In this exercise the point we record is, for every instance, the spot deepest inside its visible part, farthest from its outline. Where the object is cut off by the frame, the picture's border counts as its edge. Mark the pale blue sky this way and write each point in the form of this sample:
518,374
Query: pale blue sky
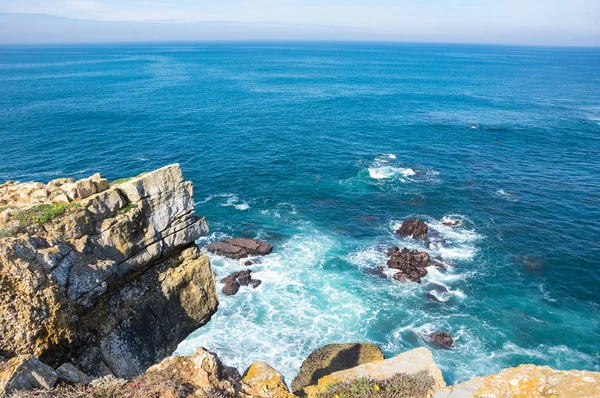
511,21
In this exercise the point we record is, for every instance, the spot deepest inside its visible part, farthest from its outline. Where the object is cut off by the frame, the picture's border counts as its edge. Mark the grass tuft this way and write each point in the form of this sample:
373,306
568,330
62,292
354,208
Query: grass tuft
417,385
41,214
125,208
123,180
6,233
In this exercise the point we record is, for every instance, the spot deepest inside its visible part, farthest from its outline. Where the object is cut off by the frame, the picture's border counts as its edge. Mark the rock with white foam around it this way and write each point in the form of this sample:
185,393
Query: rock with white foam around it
413,228
237,248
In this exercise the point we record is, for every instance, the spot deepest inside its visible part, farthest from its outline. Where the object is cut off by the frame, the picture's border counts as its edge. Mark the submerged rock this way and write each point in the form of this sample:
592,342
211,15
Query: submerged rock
452,223
237,248
332,358
441,339
410,263
413,228
82,282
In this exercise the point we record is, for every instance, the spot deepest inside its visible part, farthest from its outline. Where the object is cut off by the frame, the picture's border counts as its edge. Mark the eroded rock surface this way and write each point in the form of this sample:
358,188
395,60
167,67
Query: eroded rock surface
237,248
412,264
528,381
111,280
332,358
413,228
410,362
261,380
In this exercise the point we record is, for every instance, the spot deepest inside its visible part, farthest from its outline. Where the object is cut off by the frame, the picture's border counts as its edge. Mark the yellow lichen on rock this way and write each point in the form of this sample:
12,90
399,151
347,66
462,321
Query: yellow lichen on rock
261,380
530,381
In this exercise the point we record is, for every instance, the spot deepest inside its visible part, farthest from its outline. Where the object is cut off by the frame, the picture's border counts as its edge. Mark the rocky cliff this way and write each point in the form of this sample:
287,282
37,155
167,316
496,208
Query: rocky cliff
106,276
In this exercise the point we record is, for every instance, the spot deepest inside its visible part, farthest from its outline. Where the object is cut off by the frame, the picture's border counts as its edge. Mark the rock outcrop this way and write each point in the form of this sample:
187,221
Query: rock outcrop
240,278
528,381
332,358
442,339
237,248
261,380
26,373
410,362
413,228
105,277
412,264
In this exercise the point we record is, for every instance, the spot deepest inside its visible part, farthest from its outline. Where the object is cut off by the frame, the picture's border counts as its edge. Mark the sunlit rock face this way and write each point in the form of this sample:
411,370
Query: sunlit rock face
107,277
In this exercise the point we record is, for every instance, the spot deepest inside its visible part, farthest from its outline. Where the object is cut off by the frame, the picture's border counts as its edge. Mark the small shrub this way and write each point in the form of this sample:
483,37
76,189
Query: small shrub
399,386
6,233
41,214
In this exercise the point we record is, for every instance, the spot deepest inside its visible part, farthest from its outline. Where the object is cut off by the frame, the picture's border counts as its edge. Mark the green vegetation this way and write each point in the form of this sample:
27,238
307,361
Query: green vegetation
6,233
122,180
402,385
41,214
125,208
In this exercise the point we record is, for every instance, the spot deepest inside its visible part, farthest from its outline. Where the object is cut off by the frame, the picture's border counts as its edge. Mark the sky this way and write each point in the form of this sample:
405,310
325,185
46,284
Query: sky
572,22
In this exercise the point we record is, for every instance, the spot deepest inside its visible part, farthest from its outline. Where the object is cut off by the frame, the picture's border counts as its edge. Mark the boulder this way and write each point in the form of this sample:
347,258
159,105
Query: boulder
84,286
67,373
413,228
202,374
412,264
452,223
25,372
261,380
441,339
529,381
237,248
332,358
410,362
231,288
240,278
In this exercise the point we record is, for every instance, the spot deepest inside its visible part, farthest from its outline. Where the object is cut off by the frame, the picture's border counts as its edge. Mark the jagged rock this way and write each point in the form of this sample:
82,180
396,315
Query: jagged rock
84,286
442,339
240,278
237,248
413,228
410,362
25,373
410,263
203,372
529,381
69,374
332,358
261,380
231,288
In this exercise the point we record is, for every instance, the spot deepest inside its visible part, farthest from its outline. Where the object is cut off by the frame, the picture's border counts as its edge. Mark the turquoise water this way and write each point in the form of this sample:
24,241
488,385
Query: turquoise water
322,149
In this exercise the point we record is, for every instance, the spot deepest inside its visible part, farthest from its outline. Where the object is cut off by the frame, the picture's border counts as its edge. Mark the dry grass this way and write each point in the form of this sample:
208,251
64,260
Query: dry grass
399,386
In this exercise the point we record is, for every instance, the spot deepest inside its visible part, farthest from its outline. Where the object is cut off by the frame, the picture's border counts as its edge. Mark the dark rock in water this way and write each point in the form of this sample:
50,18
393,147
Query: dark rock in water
410,263
332,358
255,283
237,248
248,263
413,228
400,276
231,288
452,223
442,339
240,278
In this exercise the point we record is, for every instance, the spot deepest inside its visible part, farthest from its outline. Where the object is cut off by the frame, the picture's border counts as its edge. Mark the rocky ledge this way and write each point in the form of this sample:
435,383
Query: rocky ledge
104,276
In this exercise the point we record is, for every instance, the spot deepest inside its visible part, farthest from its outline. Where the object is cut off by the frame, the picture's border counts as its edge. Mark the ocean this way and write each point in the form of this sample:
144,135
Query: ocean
323,149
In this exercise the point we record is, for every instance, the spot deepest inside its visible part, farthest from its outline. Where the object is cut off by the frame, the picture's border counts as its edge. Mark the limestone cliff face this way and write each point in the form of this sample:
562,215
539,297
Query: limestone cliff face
106,277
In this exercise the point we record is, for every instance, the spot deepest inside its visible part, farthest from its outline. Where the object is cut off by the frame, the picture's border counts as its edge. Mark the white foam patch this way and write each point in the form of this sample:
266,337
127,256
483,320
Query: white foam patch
235,202
392,156
299,307
385,172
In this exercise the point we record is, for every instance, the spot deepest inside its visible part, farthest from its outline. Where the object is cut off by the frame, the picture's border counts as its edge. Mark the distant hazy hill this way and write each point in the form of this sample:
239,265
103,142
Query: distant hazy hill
39,28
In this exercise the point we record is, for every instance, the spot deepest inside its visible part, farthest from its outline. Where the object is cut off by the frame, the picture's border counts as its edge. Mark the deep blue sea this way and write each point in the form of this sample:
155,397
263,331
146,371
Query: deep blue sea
322,150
